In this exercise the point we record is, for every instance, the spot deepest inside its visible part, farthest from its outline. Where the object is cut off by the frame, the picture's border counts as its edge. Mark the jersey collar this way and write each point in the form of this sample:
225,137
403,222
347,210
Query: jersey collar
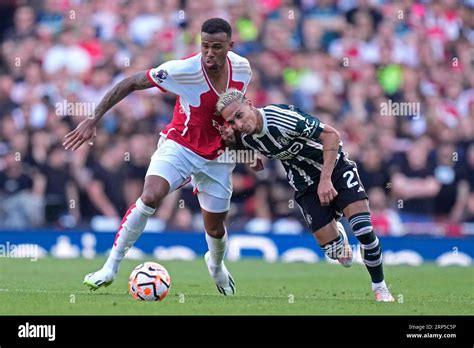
229,75
264,127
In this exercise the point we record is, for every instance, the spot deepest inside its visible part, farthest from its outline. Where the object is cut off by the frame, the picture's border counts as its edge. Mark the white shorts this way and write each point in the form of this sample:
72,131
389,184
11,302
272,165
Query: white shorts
211,178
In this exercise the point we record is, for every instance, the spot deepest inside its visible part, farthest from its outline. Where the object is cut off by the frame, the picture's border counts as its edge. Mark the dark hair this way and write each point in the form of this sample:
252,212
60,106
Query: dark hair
217,25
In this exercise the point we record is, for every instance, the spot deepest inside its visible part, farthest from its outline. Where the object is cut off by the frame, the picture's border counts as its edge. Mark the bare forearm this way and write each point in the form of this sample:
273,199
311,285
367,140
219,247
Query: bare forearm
120,91
330,139
330,151
410,188
86,130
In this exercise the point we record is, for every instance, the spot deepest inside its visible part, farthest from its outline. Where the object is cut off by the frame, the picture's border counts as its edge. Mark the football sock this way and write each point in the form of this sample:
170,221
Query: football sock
369,243
217,248
130,229
376,285
333,248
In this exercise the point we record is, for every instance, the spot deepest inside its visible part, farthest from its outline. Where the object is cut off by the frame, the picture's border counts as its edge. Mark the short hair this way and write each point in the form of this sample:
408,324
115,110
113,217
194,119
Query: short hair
228,97
216,25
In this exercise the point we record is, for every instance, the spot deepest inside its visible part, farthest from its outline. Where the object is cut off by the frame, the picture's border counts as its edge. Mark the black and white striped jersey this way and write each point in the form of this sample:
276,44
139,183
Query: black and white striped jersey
292,136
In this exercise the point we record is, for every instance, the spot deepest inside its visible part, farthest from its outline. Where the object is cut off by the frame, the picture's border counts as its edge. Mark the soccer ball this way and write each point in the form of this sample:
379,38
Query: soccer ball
149,281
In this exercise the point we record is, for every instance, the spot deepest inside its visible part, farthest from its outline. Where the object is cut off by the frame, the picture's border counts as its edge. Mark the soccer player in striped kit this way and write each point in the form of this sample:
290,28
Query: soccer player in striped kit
325,181
190,146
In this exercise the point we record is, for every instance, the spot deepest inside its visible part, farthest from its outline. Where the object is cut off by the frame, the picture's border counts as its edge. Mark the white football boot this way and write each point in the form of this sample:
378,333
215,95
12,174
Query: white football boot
224,282
101,278
382,294
345,257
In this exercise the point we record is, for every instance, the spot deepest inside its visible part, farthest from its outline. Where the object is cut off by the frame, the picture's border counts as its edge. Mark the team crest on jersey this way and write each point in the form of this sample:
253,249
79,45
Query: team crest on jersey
283,141
160,75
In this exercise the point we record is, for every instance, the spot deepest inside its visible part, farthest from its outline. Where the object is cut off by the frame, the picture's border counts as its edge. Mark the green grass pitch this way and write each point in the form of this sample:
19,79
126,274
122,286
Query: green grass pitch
54,287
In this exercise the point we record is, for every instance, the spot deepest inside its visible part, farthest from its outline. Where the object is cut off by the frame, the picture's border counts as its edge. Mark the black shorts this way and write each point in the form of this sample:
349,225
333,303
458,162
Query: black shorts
347,183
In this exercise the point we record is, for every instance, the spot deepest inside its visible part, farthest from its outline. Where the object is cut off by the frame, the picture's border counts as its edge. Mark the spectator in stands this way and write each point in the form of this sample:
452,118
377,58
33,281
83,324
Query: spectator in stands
24,25
21,206
414,184
106,188
67,56
450,202
372,169
244,184
60,191
386,221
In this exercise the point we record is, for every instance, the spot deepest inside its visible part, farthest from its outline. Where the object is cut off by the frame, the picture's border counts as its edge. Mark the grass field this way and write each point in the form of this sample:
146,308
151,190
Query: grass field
54,287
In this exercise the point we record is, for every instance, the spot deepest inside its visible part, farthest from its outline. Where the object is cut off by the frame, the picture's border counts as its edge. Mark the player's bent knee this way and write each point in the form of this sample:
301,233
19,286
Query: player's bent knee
215,229
357,207
326,233
148,198
152,198
214,223
215,233
155,189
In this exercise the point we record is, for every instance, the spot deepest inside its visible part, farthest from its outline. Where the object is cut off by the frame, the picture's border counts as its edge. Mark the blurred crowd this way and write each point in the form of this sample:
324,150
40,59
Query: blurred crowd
343,61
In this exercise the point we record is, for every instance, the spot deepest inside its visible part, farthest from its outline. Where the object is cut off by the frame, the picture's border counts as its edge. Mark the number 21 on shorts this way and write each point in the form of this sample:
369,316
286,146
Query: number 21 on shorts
353,179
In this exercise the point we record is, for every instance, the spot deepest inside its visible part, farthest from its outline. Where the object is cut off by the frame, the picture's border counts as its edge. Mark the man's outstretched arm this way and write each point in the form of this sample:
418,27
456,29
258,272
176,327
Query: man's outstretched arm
330,139
86,129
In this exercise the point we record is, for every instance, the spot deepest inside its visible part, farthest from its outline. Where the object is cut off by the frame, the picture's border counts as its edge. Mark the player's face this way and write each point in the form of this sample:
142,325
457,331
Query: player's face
241,117
214,48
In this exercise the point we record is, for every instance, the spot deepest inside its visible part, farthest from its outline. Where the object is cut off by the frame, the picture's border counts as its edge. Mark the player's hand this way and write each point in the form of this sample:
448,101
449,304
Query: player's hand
326,192
227,133
85,131
257,165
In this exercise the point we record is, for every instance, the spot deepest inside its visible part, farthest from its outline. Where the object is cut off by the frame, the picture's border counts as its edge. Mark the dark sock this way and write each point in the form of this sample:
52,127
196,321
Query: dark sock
370,246
334,247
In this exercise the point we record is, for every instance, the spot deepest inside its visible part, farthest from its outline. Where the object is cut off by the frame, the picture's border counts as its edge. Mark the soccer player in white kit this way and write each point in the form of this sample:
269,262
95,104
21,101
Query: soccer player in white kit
189,146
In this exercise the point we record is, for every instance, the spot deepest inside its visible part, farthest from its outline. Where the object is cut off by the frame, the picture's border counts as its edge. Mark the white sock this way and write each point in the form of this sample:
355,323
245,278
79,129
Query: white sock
376,285
217,248
131,228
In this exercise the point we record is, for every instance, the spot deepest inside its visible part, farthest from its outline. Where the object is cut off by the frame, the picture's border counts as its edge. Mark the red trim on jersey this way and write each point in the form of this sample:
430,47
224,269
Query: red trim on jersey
153,81
230,72
205,76
229,76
